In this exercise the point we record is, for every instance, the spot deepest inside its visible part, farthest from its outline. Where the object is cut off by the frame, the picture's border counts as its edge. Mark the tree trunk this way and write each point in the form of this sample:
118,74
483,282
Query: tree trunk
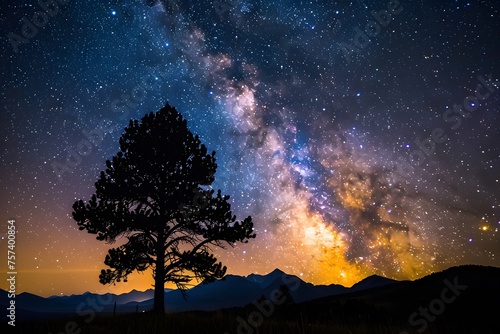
159,301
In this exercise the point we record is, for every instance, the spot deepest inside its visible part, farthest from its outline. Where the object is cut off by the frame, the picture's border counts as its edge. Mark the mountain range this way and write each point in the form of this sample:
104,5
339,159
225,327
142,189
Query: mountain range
460,300
232,291
471,285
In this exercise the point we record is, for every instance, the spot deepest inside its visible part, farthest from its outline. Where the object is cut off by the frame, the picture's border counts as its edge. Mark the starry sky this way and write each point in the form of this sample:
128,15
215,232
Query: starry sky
361,136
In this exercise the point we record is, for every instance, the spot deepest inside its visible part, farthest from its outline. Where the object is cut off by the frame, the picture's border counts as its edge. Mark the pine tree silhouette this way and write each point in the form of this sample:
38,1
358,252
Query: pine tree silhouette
156,193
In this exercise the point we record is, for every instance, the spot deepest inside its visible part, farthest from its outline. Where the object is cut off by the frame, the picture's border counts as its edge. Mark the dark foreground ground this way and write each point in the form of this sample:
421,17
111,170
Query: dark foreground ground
224,322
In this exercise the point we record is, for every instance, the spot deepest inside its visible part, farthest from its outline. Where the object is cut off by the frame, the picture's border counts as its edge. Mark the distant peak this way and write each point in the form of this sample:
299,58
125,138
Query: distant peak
375,276
373,281
277,271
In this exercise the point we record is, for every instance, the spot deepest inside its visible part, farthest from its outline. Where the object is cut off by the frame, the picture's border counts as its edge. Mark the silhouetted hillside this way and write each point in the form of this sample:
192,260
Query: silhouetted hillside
463,298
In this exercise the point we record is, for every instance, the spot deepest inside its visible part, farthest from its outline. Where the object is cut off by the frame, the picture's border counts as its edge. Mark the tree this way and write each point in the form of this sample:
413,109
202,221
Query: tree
155,192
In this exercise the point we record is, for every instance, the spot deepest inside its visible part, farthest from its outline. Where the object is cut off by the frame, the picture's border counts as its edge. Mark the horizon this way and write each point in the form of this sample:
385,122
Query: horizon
117,293
229,274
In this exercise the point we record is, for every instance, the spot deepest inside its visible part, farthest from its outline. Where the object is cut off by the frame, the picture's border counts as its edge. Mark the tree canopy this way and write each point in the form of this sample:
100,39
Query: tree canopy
156,193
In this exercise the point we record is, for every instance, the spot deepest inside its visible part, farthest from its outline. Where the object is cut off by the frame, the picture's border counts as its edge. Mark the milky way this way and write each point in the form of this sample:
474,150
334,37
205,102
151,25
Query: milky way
362,137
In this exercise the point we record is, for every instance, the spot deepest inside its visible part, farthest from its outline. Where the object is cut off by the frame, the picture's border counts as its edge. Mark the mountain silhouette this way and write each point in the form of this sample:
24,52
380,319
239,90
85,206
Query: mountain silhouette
372,296
458,299
370,282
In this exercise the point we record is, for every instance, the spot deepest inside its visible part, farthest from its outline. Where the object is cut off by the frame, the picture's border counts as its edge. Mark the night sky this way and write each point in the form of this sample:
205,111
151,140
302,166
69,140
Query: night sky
360,143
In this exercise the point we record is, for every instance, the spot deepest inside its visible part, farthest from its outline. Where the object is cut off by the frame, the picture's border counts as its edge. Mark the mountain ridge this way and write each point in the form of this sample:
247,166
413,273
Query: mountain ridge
235,291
